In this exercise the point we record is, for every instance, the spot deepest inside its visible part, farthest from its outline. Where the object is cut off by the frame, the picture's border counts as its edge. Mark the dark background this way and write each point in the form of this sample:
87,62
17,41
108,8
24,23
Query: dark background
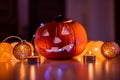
39,11
117,21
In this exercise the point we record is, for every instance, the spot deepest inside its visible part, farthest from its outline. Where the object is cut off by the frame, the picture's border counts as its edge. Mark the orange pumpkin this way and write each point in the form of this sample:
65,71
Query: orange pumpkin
60,39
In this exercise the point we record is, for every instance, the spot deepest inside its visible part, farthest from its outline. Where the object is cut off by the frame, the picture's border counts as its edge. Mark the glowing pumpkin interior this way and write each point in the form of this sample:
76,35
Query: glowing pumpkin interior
58,40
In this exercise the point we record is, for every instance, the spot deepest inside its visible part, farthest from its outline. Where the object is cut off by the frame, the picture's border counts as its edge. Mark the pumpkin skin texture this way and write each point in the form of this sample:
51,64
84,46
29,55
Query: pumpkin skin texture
66,39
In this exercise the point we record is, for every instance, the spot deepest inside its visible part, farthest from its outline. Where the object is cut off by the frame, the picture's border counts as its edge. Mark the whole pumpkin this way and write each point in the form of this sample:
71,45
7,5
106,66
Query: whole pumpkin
60,39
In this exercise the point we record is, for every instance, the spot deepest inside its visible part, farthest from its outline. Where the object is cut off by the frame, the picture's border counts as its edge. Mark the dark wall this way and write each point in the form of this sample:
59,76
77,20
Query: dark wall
8,18
117,21
44,11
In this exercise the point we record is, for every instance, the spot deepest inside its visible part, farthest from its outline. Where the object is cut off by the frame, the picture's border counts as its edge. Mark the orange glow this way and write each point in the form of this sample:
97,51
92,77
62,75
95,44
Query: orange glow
90,71
96,49
107,67
32,72
22,71
32,53
42,59
90,53
5,51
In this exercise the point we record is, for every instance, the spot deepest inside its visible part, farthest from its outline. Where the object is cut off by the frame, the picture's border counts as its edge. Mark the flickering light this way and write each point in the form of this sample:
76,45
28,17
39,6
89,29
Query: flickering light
89,57
33,59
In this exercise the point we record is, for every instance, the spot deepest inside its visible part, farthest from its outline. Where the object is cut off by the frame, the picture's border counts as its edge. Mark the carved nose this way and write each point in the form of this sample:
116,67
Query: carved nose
56,40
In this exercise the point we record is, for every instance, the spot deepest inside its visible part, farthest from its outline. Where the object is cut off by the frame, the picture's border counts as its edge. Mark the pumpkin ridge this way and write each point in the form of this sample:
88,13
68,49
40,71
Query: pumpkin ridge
74,37
65,40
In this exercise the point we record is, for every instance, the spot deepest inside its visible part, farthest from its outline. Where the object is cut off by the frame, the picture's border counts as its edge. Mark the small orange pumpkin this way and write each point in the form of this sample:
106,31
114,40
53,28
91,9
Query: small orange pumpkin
60,39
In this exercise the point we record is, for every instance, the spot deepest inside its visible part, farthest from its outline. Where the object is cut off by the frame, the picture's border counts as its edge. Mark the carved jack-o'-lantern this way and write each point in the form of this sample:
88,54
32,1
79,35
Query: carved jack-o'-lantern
60,40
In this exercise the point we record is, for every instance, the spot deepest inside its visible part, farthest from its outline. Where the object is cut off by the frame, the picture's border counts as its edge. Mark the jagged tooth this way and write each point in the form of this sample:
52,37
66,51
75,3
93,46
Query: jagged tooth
56,49
68,47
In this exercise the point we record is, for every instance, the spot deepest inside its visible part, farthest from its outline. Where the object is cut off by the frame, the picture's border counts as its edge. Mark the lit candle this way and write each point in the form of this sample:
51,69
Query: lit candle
89,57
33,59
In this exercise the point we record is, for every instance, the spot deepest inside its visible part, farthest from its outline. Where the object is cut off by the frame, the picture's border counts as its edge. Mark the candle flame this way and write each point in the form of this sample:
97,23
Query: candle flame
90,52
32,53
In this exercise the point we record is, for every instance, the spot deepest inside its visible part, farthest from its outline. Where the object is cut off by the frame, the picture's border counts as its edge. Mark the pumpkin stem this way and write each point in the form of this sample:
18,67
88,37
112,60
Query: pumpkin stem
12,37
59,18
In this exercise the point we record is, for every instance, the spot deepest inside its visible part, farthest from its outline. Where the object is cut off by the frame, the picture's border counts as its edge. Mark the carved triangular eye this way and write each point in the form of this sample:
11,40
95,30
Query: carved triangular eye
57,40
65,31
45,33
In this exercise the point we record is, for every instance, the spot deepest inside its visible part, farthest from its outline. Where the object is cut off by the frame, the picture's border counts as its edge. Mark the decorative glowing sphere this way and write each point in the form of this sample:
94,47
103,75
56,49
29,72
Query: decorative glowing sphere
21,50
29,43
110,49
96,50
88,48
5,51
32,47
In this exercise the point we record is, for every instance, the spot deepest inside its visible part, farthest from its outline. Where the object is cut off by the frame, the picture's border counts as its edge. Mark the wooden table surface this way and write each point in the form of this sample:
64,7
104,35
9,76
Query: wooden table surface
72,69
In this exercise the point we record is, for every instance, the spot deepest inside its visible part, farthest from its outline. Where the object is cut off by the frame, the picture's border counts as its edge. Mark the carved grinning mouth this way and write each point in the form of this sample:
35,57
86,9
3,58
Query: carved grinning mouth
68,48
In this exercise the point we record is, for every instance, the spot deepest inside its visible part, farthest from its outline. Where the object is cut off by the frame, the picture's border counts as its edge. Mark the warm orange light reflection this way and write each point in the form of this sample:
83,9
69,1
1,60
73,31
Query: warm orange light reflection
107,67
5,70
22,71
32,72
42,59
90,71
99,67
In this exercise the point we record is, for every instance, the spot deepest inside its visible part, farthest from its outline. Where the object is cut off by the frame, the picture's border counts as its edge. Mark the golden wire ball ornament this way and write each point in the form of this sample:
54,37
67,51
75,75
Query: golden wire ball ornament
110,49
21,49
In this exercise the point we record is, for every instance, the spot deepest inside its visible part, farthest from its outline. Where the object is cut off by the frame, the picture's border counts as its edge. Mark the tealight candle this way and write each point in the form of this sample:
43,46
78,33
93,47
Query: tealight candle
33,59
89,57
